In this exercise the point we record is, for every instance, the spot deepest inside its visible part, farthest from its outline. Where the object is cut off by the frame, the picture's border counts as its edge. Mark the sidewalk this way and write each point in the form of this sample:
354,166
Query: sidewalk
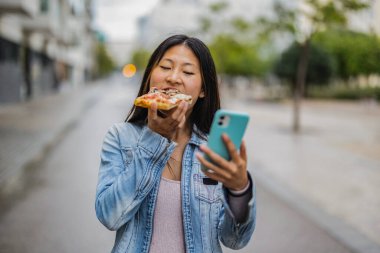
28,129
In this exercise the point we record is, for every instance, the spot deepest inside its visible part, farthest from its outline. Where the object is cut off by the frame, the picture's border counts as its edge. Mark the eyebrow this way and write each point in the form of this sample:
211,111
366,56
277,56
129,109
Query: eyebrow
186,63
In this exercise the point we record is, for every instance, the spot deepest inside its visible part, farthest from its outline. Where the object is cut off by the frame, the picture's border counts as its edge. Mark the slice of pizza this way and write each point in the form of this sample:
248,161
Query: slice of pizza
165,99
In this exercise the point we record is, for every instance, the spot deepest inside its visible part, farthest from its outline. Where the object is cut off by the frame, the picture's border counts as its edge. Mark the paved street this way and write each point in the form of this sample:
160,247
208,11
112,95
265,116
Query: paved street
53,210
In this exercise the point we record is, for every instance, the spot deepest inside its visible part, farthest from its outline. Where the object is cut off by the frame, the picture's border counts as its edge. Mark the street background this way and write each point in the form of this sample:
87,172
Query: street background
307,73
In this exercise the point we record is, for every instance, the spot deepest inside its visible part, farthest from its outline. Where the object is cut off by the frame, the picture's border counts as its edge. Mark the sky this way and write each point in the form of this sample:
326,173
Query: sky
118,18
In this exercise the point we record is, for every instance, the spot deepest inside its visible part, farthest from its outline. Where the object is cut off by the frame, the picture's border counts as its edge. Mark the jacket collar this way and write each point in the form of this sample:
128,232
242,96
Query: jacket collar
195,138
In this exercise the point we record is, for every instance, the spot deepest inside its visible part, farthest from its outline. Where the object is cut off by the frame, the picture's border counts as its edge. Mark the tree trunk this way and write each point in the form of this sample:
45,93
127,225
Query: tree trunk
300,84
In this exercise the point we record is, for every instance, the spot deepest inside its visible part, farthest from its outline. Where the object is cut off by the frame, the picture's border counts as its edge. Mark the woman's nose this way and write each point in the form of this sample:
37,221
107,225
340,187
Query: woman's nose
173,77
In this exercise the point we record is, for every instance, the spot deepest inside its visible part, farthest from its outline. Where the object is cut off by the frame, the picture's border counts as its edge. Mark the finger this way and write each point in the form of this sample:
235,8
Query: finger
217,159
243,151
214,176
183,115
184,109
177,116
212,168
152,111
182,123
231,148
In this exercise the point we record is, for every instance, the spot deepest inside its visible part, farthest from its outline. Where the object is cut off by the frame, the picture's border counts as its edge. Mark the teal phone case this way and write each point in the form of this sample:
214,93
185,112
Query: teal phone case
233,124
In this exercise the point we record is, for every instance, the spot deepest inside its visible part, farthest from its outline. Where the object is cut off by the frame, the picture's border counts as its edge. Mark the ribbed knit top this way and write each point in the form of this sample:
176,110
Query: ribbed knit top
168,233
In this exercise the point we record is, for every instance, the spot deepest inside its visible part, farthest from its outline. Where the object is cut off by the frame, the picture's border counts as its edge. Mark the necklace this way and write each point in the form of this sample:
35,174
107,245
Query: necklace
176,168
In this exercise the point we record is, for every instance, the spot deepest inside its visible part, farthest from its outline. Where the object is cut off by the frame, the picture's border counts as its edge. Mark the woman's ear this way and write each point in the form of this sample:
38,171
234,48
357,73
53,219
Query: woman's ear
202,94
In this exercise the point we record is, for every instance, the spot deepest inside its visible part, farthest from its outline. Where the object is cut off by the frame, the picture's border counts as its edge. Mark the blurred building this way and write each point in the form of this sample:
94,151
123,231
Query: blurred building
168,17
46,45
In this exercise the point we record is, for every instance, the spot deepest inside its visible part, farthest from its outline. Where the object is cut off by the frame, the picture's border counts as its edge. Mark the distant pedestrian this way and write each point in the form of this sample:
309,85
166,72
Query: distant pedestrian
151,188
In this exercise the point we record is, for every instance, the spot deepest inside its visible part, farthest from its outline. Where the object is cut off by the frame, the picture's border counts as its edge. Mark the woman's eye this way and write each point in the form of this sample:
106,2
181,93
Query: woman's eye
164,67
188,73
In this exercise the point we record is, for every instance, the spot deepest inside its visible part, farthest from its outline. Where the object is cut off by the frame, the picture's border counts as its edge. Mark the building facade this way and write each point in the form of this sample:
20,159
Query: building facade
45,46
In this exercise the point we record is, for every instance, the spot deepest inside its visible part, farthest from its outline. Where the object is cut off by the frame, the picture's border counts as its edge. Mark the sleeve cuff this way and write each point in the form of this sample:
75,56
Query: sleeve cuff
241,192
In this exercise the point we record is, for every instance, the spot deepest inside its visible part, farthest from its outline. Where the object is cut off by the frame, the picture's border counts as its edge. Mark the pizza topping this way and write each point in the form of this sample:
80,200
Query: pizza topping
166,99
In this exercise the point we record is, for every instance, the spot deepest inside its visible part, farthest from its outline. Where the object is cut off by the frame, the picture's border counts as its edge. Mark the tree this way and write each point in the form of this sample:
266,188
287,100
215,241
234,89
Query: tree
355,53
236,58
318,15
235,51
207,23
104,61
321,65
140,58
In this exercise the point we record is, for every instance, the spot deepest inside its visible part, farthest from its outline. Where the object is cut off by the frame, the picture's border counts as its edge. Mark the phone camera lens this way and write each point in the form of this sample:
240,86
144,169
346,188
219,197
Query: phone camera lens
222,117
220,123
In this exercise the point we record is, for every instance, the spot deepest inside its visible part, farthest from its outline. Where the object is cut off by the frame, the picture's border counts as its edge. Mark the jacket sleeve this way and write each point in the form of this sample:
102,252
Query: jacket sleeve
236,235
123,186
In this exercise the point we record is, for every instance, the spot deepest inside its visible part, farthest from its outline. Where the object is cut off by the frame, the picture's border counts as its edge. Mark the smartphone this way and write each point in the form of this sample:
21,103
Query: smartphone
232,123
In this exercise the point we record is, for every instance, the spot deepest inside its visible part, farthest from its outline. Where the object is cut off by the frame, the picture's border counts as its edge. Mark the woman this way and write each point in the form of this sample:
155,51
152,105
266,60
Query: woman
151,188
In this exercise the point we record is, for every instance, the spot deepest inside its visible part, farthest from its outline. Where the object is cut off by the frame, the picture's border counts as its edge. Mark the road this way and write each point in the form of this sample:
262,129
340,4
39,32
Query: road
55,210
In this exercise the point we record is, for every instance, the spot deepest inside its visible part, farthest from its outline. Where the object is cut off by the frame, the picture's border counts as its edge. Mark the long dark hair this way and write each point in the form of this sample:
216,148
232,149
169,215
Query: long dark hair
205,108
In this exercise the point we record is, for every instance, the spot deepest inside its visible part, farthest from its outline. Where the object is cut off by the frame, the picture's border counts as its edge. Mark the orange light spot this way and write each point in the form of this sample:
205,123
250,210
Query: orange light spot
129,70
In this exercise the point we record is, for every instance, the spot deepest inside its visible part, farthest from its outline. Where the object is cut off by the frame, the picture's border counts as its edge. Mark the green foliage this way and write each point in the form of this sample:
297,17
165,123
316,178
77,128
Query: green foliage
284,21
205,24
104,61
240,24
140,58
218,6
355,53
320,65
236,58
321,14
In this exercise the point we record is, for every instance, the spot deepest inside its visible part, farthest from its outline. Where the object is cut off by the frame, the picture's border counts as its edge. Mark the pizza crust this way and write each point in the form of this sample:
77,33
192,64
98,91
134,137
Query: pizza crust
142,102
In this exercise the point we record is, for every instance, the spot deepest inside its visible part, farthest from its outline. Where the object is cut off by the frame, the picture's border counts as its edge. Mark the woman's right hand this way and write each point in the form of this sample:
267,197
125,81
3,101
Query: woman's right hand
167,126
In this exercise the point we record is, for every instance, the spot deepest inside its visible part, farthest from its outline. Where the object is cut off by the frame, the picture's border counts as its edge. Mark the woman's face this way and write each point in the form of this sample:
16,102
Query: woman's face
179,68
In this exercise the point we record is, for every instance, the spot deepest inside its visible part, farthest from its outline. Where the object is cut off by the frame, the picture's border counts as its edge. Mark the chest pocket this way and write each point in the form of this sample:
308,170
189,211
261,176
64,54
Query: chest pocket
205,190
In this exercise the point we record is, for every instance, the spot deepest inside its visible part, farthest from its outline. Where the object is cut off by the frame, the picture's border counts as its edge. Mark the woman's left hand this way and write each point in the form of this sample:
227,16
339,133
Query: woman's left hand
233,173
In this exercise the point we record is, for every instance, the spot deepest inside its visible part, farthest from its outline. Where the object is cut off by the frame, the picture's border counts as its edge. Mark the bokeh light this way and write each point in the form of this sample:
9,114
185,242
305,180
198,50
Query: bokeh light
129,70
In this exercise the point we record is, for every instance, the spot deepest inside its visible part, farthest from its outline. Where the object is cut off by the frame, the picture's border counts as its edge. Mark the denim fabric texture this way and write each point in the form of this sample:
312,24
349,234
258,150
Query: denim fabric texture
132,160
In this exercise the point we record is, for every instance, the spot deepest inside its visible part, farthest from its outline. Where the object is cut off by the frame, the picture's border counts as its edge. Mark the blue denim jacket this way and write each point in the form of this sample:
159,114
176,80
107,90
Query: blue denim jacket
132,160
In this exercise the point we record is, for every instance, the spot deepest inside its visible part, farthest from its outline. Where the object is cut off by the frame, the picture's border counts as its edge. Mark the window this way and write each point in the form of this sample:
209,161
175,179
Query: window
44,6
